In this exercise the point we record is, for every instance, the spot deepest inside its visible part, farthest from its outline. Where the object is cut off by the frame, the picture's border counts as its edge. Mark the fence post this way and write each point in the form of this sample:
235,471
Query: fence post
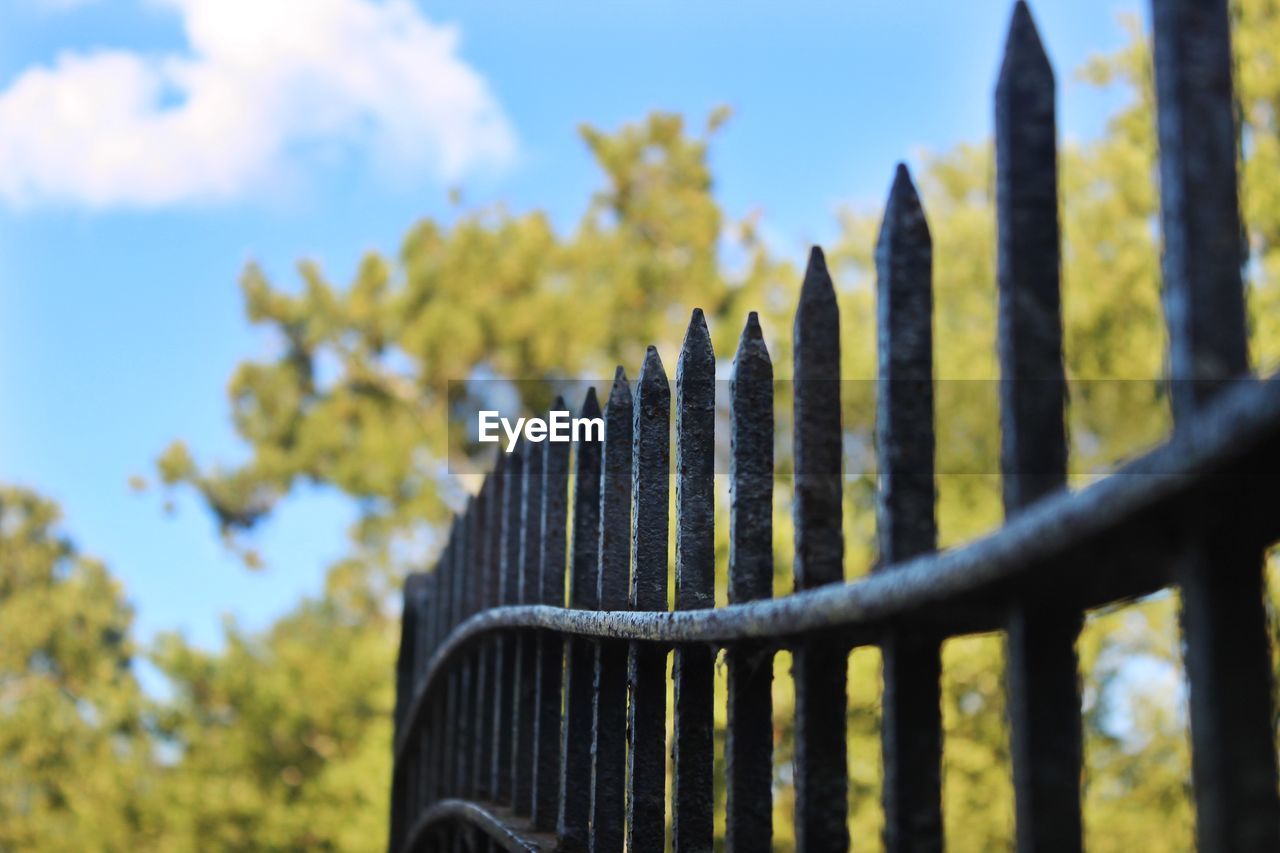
525,692
820,666
550,648
749,739
575,764
911,733
647,662
1042,670
692,789
508,594
1224,621
609,715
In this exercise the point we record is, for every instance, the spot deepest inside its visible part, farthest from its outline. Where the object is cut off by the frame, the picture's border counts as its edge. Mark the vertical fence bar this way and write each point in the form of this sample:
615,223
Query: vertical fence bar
1042,670
505,661
550,647
749,738
609,715
647,663
820,666
403,784
465,667
575,744
423,755
488,690
479,694
911,733
525,691
692,788
430,768
440,777
1223,619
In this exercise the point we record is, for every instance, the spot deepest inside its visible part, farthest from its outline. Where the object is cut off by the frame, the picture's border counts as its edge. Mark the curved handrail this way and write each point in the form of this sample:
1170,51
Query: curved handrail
1238,433
484,818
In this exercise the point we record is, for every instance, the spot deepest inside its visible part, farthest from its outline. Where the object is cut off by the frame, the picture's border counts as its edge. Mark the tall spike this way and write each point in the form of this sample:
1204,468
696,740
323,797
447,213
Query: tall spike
749,737
647,665
486,672
1042,672
575,809
526,643
693,794
505,662
1033,384
1223,617
911,735
555,516
608,733
819,666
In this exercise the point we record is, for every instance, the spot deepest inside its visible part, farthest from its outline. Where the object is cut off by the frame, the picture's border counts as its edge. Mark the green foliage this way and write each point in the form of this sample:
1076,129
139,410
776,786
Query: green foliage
73,752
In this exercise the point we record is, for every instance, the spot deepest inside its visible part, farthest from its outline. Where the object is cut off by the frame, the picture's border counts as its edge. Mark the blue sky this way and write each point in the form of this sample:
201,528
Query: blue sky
149,148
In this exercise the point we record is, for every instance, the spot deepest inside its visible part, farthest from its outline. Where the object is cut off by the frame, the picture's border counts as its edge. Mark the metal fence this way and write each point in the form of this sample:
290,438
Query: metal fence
526,724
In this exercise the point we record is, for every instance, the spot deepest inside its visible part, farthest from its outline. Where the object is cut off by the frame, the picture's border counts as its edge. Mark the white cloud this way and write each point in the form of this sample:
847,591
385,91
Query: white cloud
263,85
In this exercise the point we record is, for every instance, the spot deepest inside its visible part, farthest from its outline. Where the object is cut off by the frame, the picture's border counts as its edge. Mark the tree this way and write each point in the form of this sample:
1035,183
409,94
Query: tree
74,753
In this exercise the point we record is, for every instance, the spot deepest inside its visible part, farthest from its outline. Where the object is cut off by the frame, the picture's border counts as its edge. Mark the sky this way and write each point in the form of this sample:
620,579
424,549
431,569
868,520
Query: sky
150,148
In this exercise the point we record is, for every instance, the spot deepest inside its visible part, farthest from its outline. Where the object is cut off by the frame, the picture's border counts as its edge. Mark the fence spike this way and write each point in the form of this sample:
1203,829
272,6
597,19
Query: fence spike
505,662
609,720
819,666
647,664
749,734
1033,384
550,648
911,734
435,786
404,787
575,809
487,675
1042,672
1223,617
525,692
693,793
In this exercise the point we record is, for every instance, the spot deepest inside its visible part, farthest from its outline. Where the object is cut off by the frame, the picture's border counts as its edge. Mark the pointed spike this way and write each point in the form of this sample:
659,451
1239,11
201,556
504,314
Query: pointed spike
904,221
651,483
821,774
591,404
652,373
621,389
751,361
697,358
558,405
1025,59
692,785
817,292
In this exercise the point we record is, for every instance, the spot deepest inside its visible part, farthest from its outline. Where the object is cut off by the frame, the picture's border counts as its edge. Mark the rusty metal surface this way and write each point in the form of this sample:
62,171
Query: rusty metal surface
749,726
647,663
1042,671
911,732
575,765
1223,618
818,666
693,756
609,688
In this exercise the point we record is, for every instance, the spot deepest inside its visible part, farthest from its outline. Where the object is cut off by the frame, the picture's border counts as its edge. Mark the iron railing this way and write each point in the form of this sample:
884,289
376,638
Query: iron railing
526,724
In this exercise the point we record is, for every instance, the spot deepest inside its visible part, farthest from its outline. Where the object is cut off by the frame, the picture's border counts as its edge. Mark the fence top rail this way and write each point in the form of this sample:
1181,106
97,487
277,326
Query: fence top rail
1133,511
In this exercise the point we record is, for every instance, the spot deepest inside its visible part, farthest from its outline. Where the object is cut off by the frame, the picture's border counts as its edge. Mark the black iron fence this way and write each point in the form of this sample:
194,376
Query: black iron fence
532,693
